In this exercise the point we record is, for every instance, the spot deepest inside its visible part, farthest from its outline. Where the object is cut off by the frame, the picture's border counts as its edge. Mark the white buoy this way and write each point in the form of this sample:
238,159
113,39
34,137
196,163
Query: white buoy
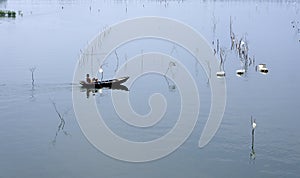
220,74
240,72
101,72
243,46
262,68
253,125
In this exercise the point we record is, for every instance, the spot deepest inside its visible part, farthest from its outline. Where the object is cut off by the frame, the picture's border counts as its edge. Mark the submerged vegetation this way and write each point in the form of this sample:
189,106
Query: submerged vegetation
61,125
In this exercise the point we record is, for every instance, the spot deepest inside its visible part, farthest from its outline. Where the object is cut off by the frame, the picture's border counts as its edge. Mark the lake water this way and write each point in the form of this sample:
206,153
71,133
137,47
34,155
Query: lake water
51,35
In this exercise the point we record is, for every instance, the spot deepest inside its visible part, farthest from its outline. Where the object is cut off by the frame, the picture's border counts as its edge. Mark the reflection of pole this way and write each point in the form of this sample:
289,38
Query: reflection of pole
61,124
252,153
209,73
171,87
168,83
117,60
167,71
32,81
252,147
32,76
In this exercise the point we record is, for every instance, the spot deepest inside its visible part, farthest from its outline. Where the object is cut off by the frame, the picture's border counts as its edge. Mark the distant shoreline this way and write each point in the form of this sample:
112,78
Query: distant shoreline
8,13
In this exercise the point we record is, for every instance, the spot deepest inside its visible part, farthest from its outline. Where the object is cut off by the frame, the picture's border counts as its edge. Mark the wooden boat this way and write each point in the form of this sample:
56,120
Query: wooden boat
105,83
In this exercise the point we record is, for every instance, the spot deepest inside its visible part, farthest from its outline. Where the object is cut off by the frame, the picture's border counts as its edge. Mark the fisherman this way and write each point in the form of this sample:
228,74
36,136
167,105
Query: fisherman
95,80
88,79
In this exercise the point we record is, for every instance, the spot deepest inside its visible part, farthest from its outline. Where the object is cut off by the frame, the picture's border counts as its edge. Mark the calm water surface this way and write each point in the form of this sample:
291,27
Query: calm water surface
35,142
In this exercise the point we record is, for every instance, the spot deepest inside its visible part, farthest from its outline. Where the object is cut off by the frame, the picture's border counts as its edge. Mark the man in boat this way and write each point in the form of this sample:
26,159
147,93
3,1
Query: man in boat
88,79
94,80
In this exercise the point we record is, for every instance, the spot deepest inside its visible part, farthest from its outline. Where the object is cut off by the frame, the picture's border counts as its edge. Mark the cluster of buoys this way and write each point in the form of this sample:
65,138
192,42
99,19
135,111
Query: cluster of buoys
262,68
239,46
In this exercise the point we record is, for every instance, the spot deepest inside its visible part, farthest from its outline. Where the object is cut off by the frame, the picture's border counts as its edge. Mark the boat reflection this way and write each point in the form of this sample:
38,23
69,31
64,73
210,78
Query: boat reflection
94,91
